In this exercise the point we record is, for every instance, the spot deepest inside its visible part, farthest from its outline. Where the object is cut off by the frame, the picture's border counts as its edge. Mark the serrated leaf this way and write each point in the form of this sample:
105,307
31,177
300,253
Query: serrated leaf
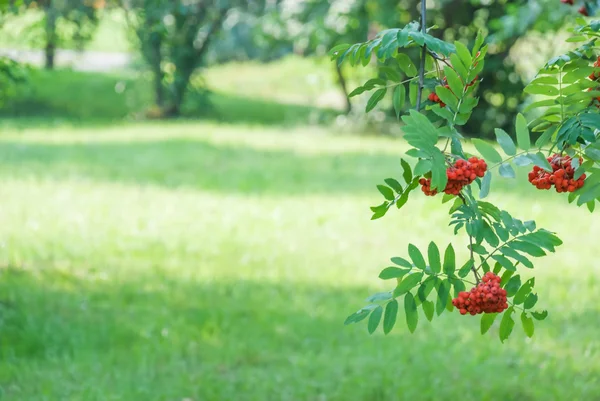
513,285
525,290
410,309
485,185
389,318
428,309
393,272
530,301
505,142
375,98
507,264
541,103
408,283
511,253
540,315
433,255
528,325
449,260
380,296
407,65
359,315
523,138
447,97
463,53
454,81
487,151
439,178
506,171
398,99
374,319
465,269
522,160
416,256
507,324
412,92
538,89
528,248
358,91
539,160
486,321
394,184
386,192
406,171
401,262
442,298
426,287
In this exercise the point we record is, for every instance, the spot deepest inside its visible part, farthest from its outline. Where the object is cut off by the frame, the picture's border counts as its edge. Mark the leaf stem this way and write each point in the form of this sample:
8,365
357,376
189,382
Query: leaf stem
471,256
405,81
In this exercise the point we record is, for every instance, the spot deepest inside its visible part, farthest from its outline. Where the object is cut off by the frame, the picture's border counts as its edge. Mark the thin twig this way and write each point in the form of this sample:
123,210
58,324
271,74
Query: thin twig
472,255
423,55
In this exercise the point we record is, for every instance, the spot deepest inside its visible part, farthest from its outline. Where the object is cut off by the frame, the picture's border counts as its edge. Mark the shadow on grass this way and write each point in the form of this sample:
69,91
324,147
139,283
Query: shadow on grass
248,340
93,98
198,165
194,164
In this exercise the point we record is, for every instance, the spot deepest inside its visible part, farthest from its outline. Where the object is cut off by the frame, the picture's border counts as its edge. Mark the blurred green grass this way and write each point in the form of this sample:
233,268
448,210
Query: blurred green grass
82,97
210,261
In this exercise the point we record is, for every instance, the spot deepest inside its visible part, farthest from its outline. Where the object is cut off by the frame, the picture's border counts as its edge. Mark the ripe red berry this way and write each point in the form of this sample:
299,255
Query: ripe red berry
486,297
583,11
562,176
570,2
462,173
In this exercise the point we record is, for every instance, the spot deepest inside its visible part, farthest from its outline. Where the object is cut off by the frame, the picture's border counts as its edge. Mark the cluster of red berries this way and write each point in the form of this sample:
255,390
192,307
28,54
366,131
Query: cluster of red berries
486,297
464,172
561,176
582,10
436,99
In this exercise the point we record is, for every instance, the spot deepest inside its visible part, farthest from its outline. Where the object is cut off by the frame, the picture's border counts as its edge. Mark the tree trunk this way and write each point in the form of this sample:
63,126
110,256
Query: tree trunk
342,82
51,39
157,72
179,88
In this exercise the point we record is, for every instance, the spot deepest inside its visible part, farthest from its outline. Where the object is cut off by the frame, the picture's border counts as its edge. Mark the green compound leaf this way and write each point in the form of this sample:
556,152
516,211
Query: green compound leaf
449,260
408,283
393,272
488,152
506,324
523,138
410,309
389,318
528,325
486,321
374,319
416,256
433,255
505,142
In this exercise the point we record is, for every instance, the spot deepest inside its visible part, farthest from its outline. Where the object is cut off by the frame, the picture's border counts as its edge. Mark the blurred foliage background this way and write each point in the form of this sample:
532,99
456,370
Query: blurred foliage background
184,215
173,44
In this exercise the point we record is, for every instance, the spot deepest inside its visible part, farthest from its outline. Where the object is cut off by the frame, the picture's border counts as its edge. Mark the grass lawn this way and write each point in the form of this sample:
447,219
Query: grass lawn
205,261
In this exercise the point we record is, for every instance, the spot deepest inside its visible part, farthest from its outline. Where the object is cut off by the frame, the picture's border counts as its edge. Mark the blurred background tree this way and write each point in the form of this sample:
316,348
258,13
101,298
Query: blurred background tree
315,26
174,37
62,22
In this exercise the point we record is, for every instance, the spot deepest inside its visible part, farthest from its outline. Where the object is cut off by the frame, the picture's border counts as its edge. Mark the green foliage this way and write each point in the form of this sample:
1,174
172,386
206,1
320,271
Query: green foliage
173,38
498,242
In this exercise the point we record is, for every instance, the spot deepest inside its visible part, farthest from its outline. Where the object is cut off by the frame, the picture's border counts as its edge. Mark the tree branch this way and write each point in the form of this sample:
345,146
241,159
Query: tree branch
423,55
216,25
